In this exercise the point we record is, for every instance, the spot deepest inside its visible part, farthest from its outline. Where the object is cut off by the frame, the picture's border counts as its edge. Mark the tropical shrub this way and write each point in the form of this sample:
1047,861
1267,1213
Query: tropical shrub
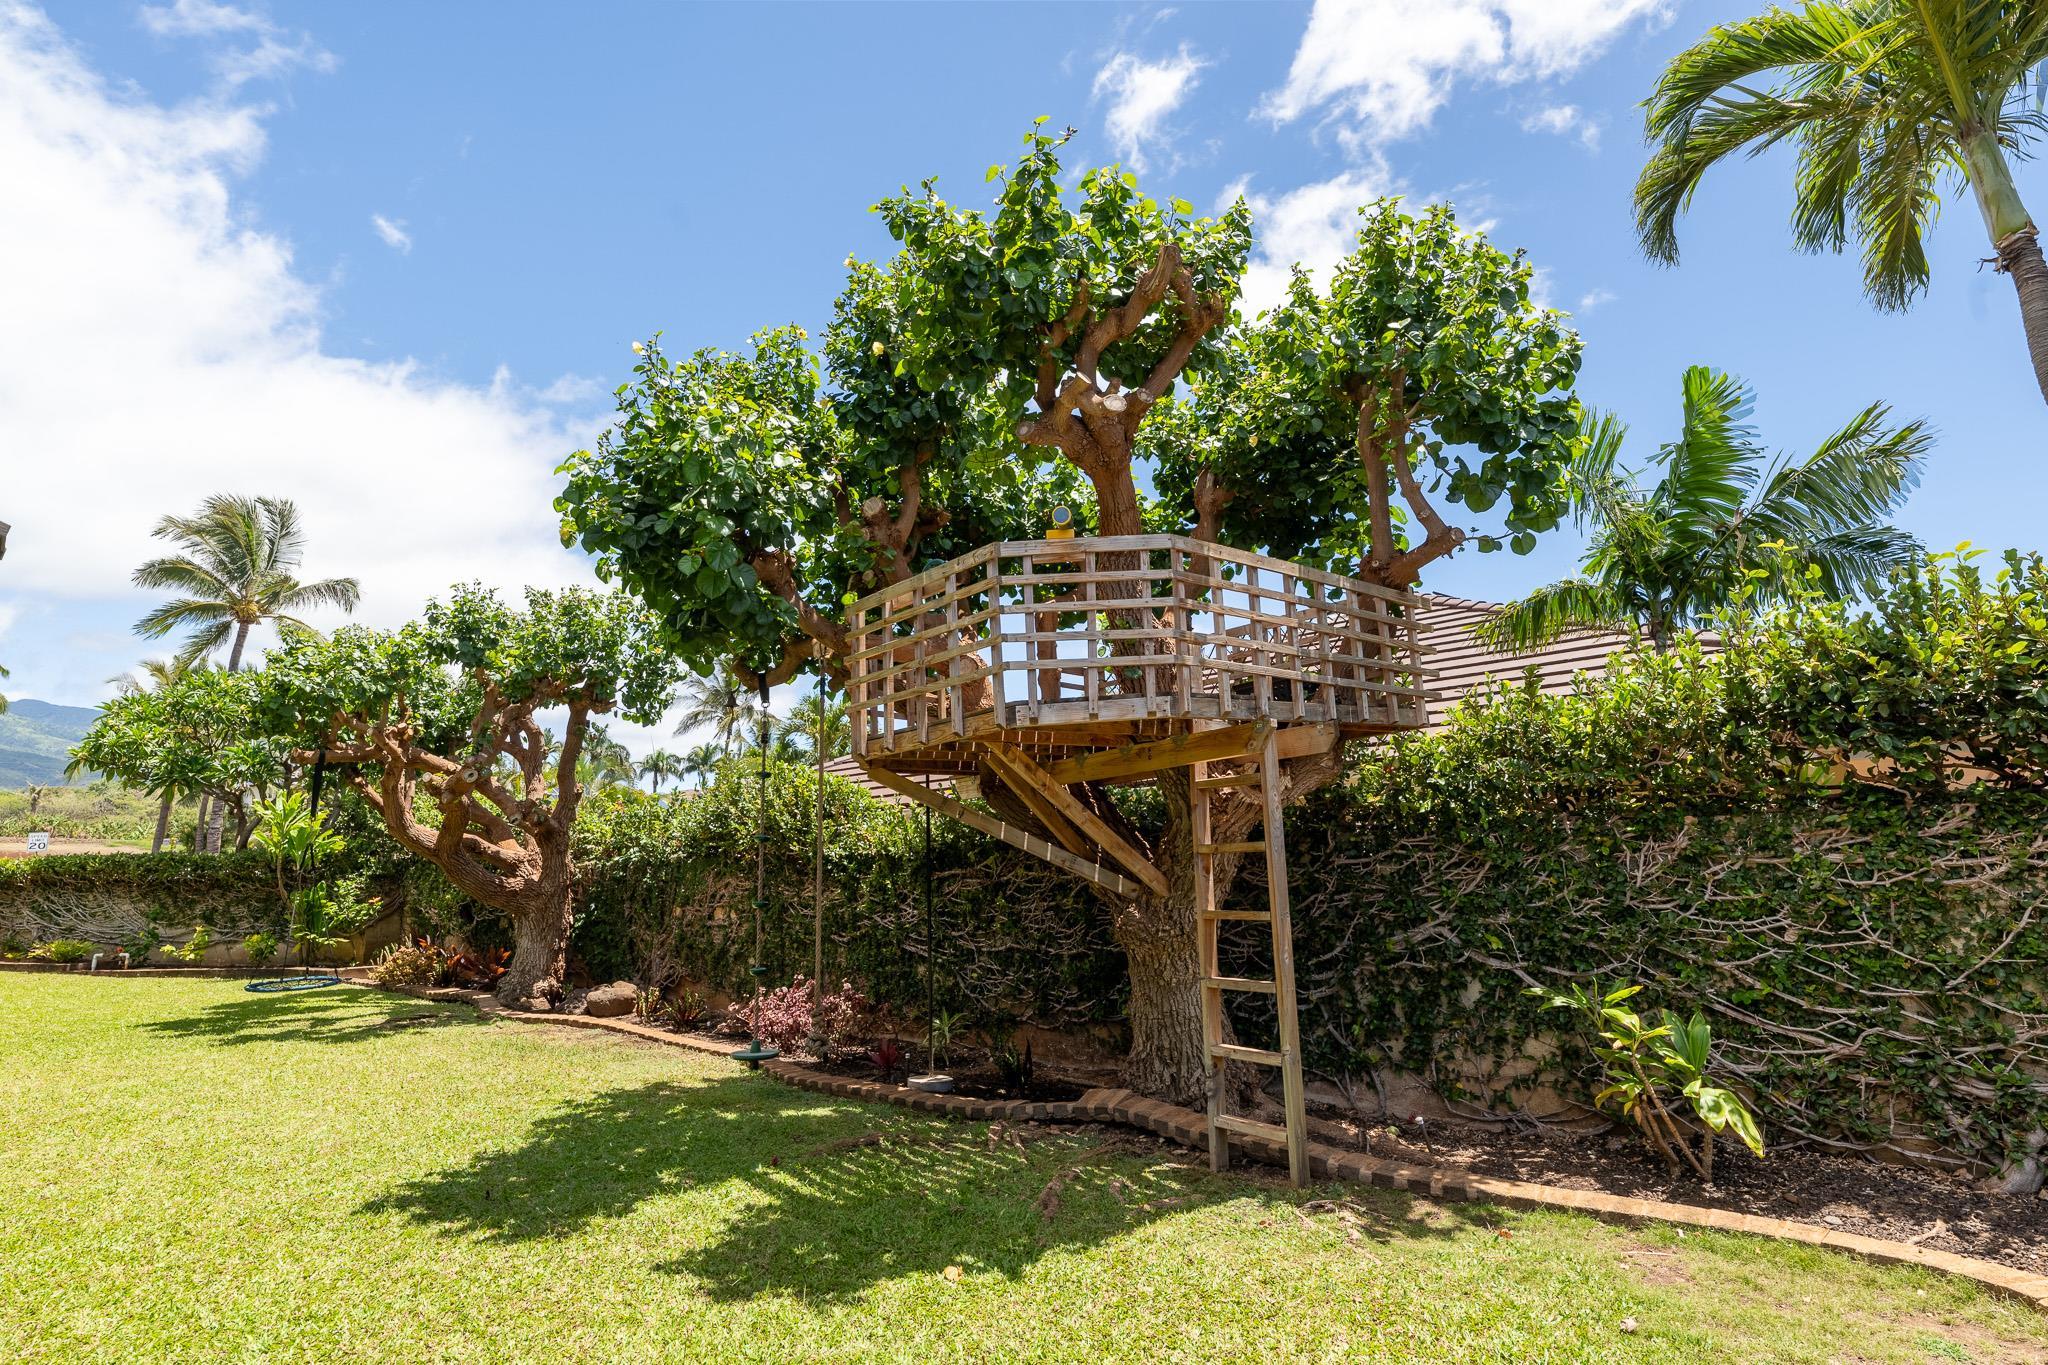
1654,1071
261,948
64,951
419,963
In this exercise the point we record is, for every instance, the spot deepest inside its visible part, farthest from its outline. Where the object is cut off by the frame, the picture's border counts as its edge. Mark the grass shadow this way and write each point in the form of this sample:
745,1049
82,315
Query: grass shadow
839,1197
337,1014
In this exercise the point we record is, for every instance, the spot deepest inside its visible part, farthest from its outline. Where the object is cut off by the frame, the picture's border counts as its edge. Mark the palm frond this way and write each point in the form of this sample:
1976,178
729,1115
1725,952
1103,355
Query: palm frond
1714,461
183,574
1857,476
204,642
1552,612
1699,122
290,595
182,612
1860,559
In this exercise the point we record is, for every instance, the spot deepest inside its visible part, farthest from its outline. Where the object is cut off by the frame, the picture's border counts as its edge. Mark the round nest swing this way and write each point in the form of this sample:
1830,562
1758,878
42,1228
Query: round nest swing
271,985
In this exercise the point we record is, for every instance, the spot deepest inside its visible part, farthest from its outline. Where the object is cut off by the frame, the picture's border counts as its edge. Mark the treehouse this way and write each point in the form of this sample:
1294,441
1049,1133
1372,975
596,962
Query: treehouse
1054,664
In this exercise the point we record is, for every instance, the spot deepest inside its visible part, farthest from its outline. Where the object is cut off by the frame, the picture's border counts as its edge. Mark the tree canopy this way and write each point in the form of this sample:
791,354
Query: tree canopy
1003,362
437,725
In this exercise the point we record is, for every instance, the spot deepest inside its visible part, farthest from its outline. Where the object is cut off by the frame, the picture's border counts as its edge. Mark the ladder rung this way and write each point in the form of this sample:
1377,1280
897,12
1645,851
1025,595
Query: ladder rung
1231,1052
1250,916
1252,846
1240,983
1231,1123
1250,779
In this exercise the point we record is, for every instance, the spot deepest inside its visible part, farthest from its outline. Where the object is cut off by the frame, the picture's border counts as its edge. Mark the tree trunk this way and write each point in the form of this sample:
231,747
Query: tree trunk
2020,257
199,822
540,944
218,817
163,824
2013,236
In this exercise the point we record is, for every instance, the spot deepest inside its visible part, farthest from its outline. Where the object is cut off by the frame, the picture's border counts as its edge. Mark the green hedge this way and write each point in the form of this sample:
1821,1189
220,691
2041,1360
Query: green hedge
666,888
110,897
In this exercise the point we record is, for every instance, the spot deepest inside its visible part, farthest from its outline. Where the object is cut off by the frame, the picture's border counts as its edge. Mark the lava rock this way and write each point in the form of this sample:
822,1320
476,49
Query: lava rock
607,1002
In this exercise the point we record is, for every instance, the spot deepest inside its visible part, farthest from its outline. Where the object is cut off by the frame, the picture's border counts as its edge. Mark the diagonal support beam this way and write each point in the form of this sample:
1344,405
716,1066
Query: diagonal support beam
1052,814
1008,833
1176,751
1032,783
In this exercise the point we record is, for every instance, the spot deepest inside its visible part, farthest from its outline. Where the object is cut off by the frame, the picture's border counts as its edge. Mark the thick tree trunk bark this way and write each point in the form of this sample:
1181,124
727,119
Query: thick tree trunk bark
163,824
540,945
2020,257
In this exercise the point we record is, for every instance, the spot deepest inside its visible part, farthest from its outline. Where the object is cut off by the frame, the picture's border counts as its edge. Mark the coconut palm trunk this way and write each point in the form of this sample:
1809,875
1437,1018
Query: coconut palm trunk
2015,238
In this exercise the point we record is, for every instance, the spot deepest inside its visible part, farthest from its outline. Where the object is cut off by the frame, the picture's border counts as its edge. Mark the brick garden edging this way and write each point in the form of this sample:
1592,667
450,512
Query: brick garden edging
1189,1128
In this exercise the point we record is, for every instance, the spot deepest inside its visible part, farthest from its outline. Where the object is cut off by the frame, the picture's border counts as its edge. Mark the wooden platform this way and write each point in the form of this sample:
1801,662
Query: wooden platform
1057,647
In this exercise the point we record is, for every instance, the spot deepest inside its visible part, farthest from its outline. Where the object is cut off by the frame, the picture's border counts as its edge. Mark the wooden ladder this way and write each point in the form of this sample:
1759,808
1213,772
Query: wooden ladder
1209,918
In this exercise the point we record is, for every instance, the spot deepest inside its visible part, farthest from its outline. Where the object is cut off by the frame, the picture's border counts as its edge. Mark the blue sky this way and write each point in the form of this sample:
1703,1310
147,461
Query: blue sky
388,259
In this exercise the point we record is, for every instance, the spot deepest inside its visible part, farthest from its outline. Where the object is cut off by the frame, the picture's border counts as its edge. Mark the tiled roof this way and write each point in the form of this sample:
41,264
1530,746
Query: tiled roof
1463,664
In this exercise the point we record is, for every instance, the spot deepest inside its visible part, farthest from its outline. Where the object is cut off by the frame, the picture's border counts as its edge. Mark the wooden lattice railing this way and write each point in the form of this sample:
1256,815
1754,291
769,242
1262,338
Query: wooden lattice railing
1049,633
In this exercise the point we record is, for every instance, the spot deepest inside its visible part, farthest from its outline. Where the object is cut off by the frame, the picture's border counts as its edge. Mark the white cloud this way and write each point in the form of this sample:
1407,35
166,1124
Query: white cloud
273,55
1567,120
1378,70
1594,298
1142,96
1312,225
201,18
160,347
392,230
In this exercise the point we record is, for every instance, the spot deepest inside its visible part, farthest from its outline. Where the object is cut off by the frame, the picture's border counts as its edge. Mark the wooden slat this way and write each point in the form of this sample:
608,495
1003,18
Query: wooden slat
1009,834
1032,783
1232,1052
1244,1127
1250,779
1175,751
1249,916
1239,983
1245,846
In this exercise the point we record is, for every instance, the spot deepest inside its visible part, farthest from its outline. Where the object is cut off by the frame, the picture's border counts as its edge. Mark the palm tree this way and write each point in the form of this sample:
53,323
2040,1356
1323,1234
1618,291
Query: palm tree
723,703
801,727
660,765
1890,103
1724,519
702,762
604,761
235,570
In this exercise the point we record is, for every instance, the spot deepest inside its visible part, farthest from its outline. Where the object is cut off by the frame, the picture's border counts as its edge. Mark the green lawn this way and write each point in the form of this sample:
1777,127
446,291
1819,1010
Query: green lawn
190,1172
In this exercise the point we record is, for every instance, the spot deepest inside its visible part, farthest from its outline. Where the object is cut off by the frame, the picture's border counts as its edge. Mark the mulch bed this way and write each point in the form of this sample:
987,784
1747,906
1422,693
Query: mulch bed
1924,1208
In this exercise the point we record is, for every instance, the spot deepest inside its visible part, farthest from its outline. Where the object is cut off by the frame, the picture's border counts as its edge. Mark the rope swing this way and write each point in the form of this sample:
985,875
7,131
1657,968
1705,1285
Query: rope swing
756,1051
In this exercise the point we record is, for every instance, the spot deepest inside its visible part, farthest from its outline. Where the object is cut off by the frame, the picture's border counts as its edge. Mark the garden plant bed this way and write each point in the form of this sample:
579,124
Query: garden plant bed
1850,1194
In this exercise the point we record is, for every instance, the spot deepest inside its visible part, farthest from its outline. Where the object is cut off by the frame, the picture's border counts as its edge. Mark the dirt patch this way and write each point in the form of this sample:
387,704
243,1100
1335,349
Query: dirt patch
1850,1194
1656,1266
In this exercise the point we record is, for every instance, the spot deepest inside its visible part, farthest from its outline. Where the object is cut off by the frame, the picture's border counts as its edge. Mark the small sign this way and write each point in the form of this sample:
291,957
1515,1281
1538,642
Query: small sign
39,842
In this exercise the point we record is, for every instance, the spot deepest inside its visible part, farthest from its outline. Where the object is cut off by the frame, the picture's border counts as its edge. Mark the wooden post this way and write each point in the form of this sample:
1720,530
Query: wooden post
1283,963
1207,929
